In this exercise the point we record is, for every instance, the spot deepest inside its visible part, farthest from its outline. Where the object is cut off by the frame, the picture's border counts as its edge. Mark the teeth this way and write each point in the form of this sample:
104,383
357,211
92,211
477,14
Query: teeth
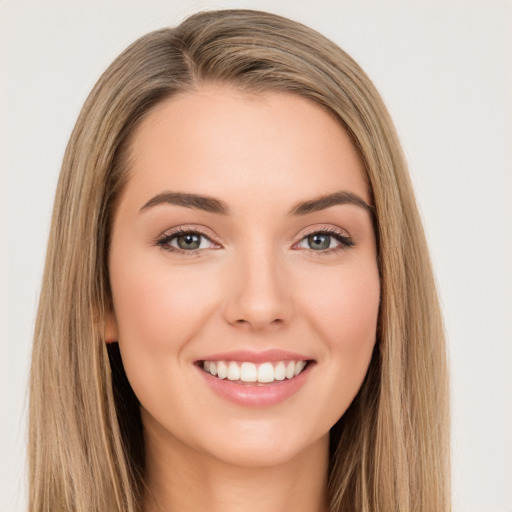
290,370
280,371
250,372
222,370
299,367
233,371
266,373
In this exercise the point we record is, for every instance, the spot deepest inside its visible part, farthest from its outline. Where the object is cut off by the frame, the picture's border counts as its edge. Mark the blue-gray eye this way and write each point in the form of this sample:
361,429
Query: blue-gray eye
185,241
326,241
189,241
319,241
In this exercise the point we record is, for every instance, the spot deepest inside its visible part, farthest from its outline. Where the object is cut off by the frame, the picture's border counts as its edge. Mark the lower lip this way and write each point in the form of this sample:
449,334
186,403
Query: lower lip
254,395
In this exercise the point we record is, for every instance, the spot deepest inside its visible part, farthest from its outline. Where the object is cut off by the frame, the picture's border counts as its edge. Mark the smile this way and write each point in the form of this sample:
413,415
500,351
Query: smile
252,379
248,372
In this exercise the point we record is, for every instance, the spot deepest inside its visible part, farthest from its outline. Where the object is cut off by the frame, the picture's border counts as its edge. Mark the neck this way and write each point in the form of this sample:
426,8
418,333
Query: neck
181,478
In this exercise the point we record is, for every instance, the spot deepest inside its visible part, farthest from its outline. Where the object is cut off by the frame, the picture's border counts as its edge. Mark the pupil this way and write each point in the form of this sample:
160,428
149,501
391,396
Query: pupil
319,241
189,241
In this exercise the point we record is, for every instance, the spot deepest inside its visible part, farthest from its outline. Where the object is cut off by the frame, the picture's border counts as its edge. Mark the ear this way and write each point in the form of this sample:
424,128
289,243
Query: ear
111,330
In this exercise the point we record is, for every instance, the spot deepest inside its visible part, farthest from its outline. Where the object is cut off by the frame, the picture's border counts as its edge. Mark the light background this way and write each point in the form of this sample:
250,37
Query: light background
444,70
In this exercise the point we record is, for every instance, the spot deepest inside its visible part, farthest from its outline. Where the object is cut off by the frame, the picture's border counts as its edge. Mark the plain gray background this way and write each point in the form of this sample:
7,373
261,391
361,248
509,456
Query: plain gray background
444,71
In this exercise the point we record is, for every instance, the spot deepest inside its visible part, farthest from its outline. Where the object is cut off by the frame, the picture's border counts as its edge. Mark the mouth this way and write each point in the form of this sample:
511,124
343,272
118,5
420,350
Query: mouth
256,379
250,374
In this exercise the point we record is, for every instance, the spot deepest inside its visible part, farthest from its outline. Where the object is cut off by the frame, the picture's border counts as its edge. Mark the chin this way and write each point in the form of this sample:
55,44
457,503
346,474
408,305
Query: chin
263,445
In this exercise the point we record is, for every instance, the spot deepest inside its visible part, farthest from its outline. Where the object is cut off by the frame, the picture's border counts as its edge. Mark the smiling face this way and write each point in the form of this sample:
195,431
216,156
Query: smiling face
224,264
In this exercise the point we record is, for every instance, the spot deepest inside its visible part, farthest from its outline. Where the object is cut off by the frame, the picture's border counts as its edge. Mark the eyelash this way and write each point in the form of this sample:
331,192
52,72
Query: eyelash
164,241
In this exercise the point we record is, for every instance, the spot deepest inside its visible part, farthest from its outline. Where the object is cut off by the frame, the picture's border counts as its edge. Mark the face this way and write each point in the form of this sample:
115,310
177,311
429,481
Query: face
245,309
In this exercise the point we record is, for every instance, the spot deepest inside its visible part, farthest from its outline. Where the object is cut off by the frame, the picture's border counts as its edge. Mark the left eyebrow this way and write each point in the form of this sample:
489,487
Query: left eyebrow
323,202
213,205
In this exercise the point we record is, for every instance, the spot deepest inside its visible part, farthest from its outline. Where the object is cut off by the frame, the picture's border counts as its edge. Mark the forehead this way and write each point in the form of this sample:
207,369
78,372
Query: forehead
220,141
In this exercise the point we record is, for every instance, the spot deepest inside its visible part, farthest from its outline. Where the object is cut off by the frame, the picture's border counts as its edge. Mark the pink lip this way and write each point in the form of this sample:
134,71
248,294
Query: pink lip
270,356
254,394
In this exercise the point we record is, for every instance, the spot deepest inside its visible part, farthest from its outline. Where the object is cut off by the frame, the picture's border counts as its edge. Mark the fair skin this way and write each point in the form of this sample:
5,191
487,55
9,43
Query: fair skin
274,286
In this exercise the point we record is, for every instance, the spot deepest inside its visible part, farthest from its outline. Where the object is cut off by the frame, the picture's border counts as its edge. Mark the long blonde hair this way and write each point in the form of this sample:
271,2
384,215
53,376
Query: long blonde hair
389,451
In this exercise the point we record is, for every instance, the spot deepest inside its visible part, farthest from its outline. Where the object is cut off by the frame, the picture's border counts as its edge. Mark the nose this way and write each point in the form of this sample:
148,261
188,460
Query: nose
258,296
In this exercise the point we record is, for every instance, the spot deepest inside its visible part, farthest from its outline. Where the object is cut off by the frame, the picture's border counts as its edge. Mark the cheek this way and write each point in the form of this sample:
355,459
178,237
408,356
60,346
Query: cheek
346,306
154,307
159,310
344,312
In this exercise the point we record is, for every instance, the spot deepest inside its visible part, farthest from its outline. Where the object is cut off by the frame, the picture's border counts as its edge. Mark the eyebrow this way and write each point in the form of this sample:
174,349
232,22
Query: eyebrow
213,205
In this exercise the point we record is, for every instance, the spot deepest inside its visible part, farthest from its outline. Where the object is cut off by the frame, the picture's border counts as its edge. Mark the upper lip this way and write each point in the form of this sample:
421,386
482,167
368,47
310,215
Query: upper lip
264,356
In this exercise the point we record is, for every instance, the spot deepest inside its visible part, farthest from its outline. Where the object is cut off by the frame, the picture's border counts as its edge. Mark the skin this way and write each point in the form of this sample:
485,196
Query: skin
256,285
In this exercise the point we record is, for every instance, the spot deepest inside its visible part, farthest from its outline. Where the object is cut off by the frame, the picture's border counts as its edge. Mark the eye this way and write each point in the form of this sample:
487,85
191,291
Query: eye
326,240
185,240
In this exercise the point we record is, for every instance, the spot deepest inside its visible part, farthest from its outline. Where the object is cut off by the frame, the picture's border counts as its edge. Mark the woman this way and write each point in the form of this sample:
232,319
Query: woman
238,308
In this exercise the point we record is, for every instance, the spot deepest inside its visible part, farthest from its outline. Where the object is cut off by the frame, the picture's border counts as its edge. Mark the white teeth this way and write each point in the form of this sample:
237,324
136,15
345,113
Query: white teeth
280,371
250,372
222,370
290,370
233,371
299,367
266,373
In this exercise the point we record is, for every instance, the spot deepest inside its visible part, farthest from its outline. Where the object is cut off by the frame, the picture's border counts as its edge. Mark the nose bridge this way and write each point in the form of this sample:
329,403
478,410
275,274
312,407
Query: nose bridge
258,294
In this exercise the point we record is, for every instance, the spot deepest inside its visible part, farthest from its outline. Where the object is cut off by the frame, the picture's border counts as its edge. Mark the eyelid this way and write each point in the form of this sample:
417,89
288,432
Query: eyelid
343,238
195,228
170,234
325,229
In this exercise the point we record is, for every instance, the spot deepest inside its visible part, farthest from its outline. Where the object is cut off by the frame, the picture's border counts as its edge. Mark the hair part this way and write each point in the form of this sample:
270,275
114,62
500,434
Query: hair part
389,451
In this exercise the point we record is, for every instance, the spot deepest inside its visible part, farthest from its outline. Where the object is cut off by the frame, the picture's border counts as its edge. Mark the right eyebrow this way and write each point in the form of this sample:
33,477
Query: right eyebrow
196,201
